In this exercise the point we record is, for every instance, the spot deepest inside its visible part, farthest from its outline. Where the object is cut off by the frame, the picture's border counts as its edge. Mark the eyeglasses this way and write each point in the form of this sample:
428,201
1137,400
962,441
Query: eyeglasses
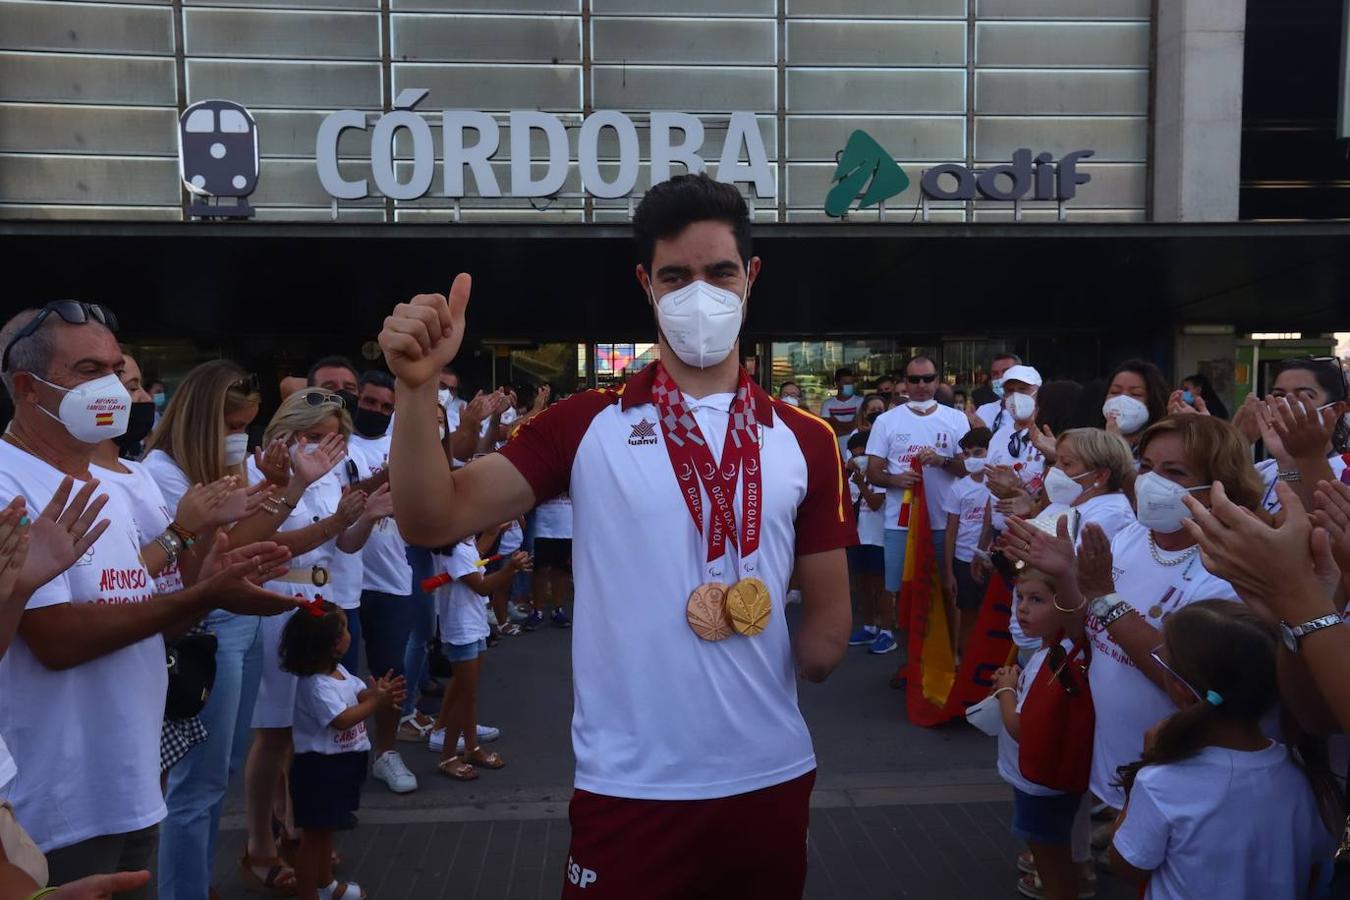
72,312
316,397
925,379
247,385
1154,653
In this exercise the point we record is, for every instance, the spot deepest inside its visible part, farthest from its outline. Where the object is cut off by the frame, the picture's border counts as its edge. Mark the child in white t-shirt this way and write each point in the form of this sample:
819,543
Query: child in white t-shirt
331,746
867,561
967,517
1214,808
1043,817
462,614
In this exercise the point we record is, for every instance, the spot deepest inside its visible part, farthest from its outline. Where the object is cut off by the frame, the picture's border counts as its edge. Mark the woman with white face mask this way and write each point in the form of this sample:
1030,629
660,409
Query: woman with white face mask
873,405
1135,398
1127,584
1087,482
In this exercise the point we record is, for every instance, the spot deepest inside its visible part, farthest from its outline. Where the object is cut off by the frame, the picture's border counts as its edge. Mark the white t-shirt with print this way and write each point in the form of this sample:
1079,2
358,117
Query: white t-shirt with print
319,699
871,522
1009,765
1225,823
989,414
460,609
150,513
172,480
898,435
1027,462
968,500
85,740
1129,704
385,556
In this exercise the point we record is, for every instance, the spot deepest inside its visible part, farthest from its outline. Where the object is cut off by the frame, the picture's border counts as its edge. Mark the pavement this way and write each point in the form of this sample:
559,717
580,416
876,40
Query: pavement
898,811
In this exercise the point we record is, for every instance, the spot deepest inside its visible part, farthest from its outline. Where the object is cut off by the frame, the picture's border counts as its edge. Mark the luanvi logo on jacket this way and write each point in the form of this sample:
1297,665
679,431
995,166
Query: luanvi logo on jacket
644,433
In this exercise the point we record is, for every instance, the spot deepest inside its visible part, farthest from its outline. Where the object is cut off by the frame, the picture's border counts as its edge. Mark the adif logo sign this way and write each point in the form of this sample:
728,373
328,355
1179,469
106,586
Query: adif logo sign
472,140
867,173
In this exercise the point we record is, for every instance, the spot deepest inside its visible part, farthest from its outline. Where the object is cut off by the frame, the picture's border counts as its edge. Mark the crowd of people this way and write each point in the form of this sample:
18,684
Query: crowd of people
179,604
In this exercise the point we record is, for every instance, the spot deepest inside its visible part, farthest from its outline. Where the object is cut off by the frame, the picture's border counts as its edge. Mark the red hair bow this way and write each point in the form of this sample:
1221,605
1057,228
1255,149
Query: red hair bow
314,607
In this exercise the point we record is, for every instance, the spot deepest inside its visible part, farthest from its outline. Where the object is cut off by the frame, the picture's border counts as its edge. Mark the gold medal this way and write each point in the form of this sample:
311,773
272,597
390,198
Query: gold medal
749,605
1155,612
707,612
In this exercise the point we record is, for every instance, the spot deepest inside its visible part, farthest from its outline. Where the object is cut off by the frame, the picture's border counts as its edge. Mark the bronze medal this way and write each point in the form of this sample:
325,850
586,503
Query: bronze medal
1155,612
707,612
749,605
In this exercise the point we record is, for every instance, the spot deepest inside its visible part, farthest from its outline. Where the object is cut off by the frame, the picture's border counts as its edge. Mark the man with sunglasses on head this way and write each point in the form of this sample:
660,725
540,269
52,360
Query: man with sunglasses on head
82,687
991,415
917,439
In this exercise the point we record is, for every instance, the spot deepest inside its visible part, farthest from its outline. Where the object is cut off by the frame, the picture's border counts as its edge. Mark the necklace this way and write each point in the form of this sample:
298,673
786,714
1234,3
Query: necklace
1186,555
18,442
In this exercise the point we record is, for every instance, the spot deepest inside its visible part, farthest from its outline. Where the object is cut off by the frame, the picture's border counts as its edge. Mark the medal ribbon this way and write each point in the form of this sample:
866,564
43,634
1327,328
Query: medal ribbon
693,463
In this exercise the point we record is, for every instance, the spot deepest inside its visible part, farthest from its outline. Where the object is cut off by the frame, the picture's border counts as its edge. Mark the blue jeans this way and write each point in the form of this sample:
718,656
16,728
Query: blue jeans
197,784
421,624
894,548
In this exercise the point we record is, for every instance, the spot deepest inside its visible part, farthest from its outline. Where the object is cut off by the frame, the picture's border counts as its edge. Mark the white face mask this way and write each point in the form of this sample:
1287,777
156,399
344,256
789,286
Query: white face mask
1061,487
701,322
975,464
1158,503
93,411
1021,406
442,431
444,396
1131,414
792,401
997,387
922,406
236,448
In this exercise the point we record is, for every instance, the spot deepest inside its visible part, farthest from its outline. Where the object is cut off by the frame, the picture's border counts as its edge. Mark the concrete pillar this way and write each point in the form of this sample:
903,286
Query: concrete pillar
1197,128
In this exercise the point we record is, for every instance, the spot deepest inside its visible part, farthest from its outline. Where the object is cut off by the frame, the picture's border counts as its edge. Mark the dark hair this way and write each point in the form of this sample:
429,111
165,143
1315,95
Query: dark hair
309,642
1331,379
1222,647
671,206
915,359
329,362
1156,390
974,438
377,377
944,394
1017,360
1056,402
1215,406
785,384
858,440
843,372
877,385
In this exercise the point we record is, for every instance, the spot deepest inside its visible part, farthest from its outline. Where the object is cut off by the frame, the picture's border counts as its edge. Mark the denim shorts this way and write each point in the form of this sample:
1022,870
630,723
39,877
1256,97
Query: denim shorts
463,652
1044,820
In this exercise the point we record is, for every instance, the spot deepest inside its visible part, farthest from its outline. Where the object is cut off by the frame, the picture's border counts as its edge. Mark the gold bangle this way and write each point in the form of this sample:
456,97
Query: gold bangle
1076,609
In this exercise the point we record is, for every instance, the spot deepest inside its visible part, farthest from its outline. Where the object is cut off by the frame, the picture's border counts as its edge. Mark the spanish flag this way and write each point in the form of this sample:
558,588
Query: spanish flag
103,418
935,691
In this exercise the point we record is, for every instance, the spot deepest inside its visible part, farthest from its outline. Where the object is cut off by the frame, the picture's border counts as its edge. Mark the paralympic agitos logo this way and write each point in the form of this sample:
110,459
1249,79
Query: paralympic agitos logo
867,173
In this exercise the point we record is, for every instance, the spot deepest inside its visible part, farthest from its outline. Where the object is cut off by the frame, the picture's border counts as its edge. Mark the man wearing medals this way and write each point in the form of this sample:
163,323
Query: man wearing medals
694,766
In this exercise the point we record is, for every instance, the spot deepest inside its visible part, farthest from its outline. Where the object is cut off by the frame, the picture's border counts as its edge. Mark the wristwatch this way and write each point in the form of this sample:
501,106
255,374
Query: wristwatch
1101,606
1291,634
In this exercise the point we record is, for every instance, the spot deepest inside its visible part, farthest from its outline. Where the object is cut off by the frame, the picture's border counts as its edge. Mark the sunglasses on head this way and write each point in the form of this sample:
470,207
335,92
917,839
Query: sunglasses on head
316,397
921,379
72,312
247,385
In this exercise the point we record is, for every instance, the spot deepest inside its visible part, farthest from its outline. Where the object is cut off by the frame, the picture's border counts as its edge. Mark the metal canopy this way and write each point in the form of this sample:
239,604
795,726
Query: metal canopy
545,282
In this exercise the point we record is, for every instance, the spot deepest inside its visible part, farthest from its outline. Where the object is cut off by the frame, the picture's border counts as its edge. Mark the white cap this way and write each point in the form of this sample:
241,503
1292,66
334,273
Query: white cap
1024,374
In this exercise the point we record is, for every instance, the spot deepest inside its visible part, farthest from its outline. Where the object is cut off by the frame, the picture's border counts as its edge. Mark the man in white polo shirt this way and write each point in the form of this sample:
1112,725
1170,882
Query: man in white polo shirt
82,687
915,440
695,496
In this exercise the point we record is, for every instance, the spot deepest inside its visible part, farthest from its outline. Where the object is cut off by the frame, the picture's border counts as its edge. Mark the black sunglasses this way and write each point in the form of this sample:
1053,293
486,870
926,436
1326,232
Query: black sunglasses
925,379
72,312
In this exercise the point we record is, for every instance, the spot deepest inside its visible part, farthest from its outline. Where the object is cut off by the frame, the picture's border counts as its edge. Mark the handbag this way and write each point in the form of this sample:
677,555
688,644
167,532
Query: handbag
192,673
1055,749
437,665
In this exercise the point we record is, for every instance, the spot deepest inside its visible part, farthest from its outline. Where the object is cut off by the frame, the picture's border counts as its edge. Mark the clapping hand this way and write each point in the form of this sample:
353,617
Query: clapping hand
379,505
1248,418
1003,481
1302,431
14,542
1177,405
232,577
62,534
1331,512
274,463
1043,439
351,506
389,688
308,468
521,561
423,335
1052,554
541,398
1019,504
1006,677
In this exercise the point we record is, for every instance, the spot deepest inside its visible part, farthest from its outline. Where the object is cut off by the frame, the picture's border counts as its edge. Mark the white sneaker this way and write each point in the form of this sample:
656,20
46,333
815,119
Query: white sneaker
353,891
390,769
486,734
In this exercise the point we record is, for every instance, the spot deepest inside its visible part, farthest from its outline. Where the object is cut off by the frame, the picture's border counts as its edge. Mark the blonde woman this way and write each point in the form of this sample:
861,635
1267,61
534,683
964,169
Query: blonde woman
316,520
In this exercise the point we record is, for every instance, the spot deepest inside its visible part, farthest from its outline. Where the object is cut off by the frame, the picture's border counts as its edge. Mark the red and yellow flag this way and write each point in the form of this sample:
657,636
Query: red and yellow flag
935,691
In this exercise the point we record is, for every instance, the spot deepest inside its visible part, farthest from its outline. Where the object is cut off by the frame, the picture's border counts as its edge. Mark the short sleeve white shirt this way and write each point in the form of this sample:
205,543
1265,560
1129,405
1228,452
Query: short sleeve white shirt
1226,823
150,512
1128,703
898,435
318,502
871,522
841,412
385,556
172,480
461,609
1027,462
85,740
1268,469
967,502
319,699
989,414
